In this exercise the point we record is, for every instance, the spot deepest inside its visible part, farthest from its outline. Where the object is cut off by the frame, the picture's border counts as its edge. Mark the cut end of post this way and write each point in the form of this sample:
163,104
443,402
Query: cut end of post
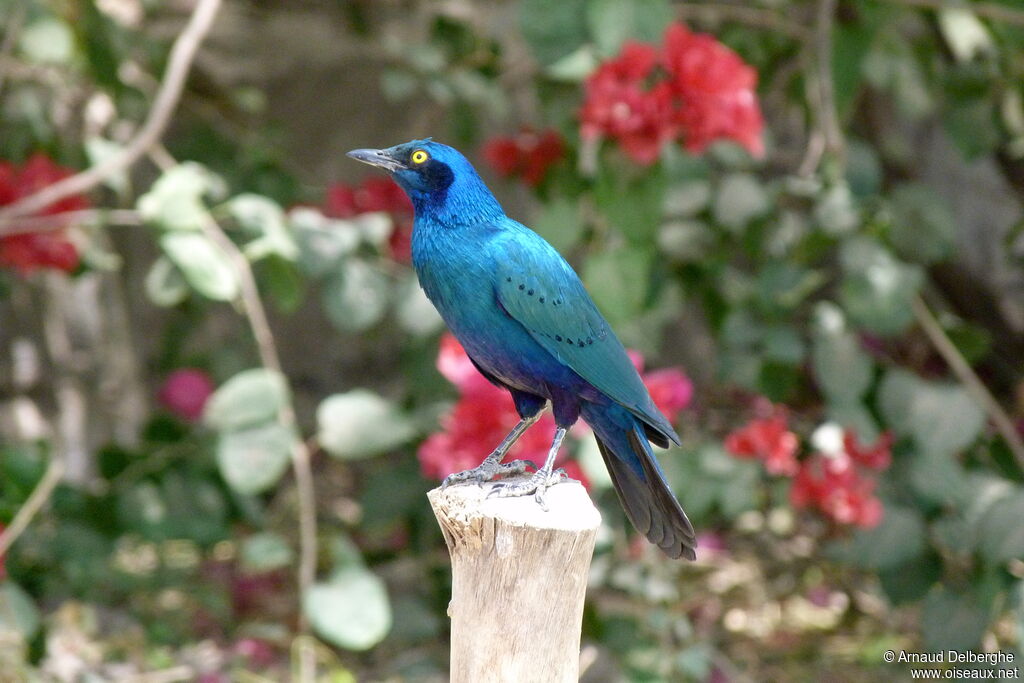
569,508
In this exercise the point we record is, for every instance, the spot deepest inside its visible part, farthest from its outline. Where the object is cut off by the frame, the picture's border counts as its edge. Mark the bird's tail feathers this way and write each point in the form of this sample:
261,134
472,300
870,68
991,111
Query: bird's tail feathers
640,483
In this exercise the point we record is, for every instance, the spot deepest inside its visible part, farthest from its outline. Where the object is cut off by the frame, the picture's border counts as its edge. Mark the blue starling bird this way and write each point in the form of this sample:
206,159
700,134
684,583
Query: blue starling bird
529,326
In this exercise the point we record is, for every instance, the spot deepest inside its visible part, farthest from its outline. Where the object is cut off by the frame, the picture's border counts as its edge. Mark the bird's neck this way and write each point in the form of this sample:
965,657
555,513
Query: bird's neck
465,202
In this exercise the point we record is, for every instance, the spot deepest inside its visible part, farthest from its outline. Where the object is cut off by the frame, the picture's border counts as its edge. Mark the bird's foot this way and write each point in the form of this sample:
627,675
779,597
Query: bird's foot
537,484
486,471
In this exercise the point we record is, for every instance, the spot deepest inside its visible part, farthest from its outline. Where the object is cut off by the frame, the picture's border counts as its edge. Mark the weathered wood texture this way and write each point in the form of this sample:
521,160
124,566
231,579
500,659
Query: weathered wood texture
519,577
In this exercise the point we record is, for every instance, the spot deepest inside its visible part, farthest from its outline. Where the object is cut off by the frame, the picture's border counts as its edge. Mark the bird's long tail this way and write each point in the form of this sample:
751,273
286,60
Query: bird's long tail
639,480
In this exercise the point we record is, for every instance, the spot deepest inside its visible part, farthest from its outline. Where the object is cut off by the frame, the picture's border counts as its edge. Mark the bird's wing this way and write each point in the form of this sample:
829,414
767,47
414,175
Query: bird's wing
539,289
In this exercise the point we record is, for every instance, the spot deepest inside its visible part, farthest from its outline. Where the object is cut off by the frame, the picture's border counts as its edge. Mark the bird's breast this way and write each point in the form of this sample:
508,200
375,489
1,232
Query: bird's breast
459,281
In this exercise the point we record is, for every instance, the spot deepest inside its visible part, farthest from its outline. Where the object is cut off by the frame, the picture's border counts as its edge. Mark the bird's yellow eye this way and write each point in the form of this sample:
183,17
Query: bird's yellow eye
419,156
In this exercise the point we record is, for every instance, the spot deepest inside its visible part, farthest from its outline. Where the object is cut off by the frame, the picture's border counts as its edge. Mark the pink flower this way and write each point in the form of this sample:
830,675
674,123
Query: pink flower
185,392
255,651
671,390
769,440
528,155
28,252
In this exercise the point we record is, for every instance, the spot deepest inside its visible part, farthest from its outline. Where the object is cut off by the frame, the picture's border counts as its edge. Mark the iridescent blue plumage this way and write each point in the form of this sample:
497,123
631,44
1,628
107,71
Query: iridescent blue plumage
528,324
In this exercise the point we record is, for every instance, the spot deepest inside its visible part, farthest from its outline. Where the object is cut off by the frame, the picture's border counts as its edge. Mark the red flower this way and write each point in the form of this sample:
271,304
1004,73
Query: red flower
769,439
620,104
481,418
877,457
833,485
376,193
185,392
716,91
28,252
528,154
702,92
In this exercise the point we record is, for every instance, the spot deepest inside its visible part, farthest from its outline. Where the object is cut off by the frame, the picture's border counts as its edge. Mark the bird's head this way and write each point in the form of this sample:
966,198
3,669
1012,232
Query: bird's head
437,178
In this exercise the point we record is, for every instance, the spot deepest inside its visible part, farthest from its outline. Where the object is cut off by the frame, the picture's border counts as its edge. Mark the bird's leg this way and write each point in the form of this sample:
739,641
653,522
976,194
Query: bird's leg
539,482
492,466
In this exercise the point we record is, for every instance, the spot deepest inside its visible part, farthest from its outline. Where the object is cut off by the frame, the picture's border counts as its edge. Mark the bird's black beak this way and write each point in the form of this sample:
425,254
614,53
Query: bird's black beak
377,157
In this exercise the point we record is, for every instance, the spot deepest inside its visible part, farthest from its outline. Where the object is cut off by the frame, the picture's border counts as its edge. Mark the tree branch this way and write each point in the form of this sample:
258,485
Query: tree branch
56,221
36,500
751,16
180,63
988,10
14,20
825,137
256,314
962,369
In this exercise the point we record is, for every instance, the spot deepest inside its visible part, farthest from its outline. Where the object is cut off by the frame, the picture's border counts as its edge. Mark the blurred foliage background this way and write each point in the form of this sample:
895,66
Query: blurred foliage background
223,396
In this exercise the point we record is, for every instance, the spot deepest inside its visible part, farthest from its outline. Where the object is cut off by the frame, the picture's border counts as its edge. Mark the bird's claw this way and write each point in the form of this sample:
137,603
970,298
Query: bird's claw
538,484
487,471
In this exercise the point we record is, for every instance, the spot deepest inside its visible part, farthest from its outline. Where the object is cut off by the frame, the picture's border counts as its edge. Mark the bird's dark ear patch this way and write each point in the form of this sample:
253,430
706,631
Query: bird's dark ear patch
438,175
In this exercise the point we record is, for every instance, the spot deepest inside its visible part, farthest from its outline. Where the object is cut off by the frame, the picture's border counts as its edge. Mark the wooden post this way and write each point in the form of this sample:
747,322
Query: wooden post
519,576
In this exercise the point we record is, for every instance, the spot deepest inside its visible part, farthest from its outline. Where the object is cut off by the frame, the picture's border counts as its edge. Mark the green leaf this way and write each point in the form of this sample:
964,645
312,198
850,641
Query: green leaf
612,22
47,41
1002,533
836,211
784,286
851,43
99,150
911,581
841,368
414,312
560,223
165,285
964,33
877,289
923,228
205,265
899,539
351,610
175,201
18,613
938,479
618,280
686,240
575,66
143,510
942,417
252,460
264,217
686,199
282,280
952,621
553,29
783,343
360,423
249,398
740,199
323,242
265,551
356,298
633,206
